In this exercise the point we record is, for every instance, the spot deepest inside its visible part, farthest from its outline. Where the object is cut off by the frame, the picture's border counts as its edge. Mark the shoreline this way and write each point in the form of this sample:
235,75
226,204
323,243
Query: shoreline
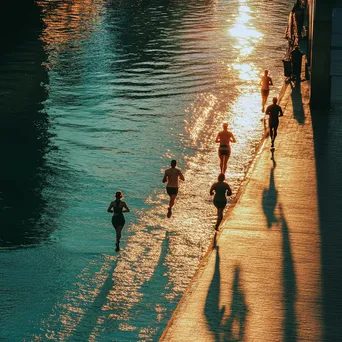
211,246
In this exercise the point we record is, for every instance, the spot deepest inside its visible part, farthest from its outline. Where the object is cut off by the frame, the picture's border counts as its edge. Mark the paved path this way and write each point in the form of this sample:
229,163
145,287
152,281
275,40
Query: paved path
264,279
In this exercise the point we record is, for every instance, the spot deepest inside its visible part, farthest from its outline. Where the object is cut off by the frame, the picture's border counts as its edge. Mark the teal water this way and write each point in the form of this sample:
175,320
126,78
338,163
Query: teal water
101,97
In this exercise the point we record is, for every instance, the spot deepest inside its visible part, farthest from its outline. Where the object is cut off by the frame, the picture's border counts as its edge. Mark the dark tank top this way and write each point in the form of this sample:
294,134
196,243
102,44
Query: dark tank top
118,208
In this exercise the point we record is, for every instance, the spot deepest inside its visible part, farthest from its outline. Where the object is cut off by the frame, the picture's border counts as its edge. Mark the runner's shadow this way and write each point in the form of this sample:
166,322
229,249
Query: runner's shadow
289,283
90,318
212,310
269,200
234,327
297,101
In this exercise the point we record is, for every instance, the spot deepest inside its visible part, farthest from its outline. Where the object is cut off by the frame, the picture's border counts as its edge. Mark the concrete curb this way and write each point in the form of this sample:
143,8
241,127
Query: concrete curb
204,260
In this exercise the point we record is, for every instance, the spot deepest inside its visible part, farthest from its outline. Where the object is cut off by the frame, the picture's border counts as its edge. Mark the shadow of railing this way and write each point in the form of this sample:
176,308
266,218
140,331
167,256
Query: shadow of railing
327,131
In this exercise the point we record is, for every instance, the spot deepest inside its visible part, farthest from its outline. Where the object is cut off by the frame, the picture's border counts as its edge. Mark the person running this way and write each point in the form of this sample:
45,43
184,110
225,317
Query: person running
265,83
171,176
118,207
221,190
224,137
274,111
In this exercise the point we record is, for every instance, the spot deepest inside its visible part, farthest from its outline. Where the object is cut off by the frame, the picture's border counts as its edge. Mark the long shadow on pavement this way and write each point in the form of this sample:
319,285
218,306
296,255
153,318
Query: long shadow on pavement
298,110
238,312
269,200
327,129
289,284
213,312
233,327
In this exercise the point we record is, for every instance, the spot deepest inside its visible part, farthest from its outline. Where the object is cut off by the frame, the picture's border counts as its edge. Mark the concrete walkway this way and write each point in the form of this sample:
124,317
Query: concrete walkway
275,272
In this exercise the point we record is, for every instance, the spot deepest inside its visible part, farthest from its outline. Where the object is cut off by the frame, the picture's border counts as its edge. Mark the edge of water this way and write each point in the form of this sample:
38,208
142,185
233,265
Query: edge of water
205,258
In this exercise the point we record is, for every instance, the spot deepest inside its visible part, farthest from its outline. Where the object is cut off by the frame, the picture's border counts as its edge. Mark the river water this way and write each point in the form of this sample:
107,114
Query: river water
101,97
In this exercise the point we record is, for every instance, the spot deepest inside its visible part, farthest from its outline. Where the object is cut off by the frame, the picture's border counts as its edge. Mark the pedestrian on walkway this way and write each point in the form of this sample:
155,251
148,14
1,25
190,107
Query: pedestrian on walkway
296,61
118,207
265,83
224,137
298,12
172,176
221,190
274,111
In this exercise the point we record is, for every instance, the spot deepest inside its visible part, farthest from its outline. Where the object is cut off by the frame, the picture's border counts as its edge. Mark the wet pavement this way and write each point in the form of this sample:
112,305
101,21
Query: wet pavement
273,272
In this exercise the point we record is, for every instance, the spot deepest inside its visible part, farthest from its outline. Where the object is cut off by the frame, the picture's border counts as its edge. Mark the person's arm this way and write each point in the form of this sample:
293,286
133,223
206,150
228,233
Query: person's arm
232,138
218,138
212,189
126,209
181,176
270,82
280,111
165,178
268,111
229,190
110,208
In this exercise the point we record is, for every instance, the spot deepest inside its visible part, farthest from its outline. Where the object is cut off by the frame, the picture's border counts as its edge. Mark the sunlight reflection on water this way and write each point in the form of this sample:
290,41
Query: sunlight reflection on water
125,97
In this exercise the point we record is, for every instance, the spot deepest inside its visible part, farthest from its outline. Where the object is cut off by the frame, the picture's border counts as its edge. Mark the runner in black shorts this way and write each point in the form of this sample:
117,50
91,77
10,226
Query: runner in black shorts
274,111
118,207
172,191
224,137
221,189
171,176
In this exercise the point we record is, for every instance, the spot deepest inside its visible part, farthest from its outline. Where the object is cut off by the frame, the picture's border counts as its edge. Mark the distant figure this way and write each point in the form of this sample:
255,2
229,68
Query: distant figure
298,12
224,137
265,83
221,190
171,176
118,207
274,111
296,61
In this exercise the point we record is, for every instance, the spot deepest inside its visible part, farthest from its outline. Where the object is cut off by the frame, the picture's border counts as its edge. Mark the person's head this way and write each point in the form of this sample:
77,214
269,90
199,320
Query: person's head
173,163
221,177
266,72
225,125
274,100
118,194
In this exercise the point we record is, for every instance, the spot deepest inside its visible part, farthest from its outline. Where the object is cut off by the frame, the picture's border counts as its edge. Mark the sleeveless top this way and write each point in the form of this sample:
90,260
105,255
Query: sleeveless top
118,208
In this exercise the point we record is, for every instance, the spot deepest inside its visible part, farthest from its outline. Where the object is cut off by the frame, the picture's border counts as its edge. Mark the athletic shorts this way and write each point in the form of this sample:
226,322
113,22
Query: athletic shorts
118,221
265,92
273,125
172,191
220,204
224,150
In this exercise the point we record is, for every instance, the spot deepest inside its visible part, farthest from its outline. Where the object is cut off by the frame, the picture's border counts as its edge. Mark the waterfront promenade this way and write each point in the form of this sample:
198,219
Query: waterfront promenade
274,271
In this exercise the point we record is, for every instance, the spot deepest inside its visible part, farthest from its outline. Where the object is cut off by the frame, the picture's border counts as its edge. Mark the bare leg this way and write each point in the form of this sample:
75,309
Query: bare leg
171,204
219,217
264,100
172,200
221,163
118,237
275,134
225,162
271,135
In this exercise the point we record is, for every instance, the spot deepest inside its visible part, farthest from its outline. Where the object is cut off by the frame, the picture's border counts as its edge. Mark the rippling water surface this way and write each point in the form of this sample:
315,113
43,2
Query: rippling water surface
101,98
